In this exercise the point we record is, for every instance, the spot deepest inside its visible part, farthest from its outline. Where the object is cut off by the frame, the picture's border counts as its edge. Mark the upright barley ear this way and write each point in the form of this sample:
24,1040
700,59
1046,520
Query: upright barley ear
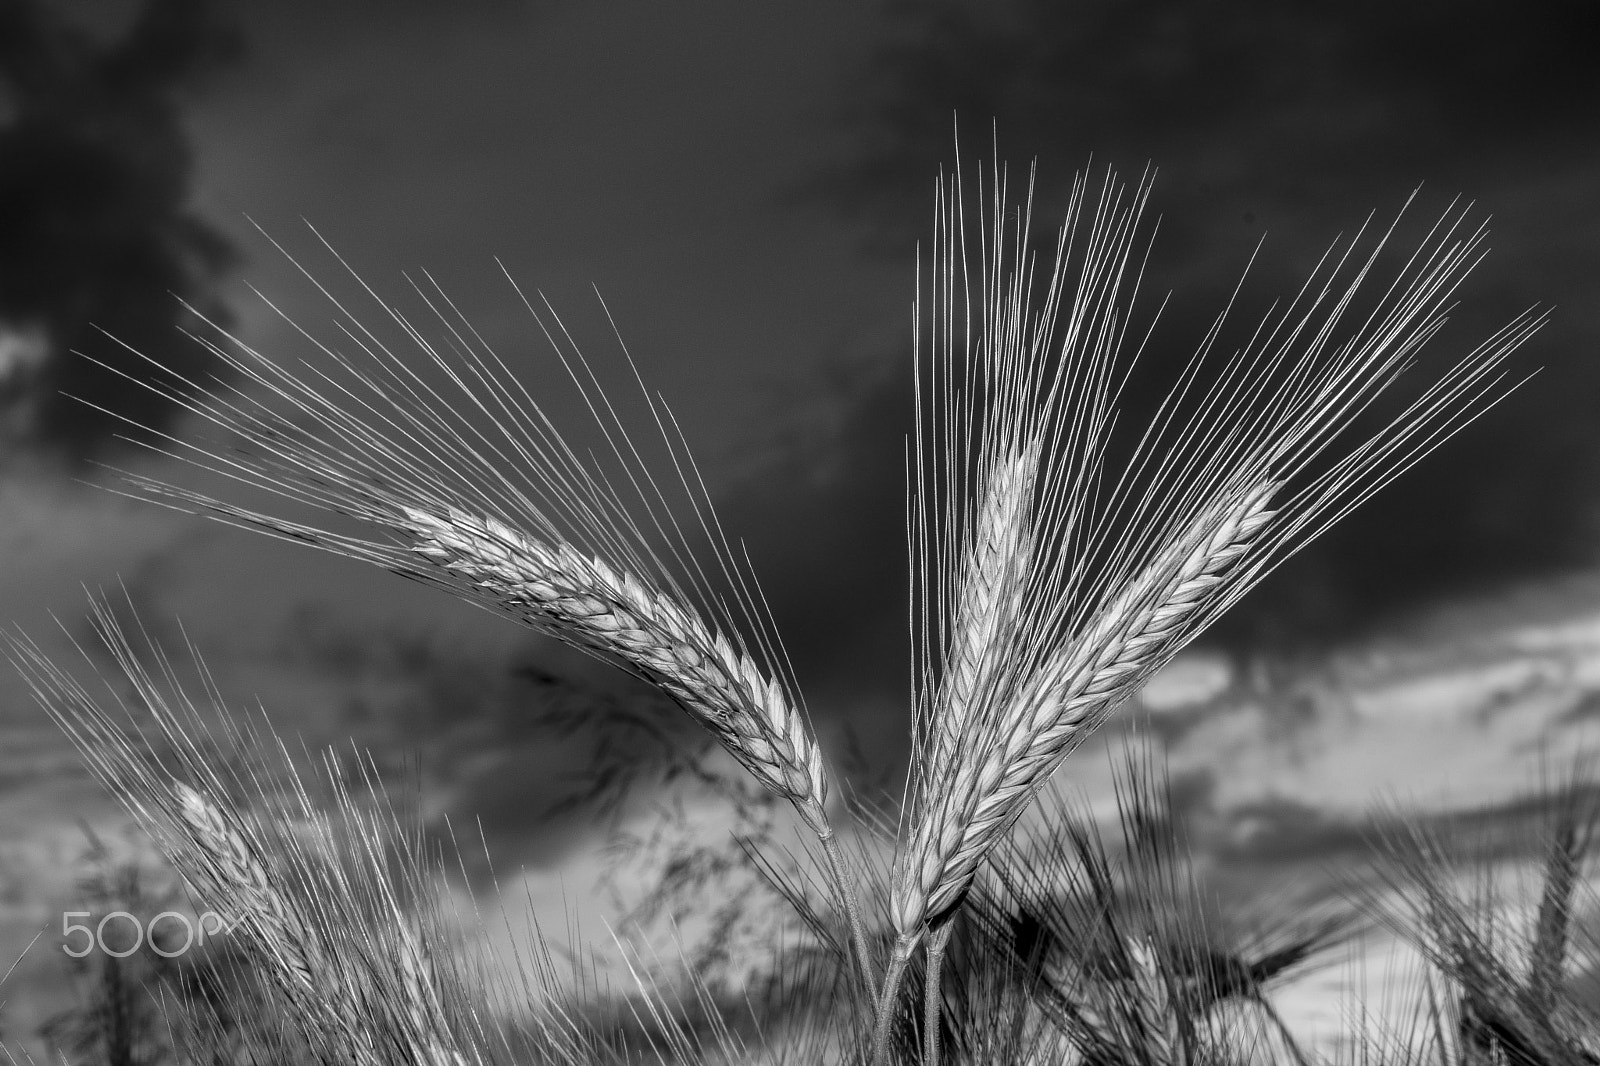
1049,581
1040,721
990,607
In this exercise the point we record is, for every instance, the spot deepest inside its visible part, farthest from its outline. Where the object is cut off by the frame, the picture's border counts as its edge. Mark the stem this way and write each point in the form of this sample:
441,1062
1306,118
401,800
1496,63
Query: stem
847,891
932,997
891,995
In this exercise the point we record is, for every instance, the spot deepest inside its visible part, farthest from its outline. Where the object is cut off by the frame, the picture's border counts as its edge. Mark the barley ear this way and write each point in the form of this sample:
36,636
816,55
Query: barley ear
591,604
234,879
990,604
458,477
1012,755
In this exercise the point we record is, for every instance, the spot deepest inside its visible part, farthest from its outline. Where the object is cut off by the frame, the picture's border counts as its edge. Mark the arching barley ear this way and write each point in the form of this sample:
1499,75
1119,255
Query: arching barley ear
1048,582
458,477
588,603
465,482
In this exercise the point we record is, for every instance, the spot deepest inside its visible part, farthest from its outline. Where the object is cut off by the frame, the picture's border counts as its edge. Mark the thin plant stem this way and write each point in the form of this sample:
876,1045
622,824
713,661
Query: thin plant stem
887,1002
932,996
852,907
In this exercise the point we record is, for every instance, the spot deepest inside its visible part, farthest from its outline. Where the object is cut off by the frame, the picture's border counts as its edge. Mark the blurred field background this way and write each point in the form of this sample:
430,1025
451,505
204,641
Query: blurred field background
745,186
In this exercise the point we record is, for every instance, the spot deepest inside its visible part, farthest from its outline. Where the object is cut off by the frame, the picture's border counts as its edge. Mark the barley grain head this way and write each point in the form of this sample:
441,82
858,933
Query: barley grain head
557,589
305,893
1128,541
995,564
456,476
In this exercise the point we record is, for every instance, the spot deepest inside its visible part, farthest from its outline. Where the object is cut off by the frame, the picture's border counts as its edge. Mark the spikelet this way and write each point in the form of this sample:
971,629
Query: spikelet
996,575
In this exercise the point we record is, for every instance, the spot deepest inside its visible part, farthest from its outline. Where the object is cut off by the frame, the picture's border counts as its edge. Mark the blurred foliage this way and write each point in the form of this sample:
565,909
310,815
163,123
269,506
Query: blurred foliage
117,1018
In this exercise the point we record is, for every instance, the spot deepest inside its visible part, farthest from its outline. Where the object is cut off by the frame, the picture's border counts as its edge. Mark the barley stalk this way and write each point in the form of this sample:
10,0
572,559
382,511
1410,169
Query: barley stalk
933,993
992,773
557,587
1003,764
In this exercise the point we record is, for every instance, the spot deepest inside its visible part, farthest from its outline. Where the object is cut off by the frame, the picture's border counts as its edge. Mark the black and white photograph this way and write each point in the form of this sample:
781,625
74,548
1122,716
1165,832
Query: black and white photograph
898,532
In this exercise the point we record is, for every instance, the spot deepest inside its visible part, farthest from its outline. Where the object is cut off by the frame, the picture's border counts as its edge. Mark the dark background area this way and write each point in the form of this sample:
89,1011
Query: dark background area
1287,122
